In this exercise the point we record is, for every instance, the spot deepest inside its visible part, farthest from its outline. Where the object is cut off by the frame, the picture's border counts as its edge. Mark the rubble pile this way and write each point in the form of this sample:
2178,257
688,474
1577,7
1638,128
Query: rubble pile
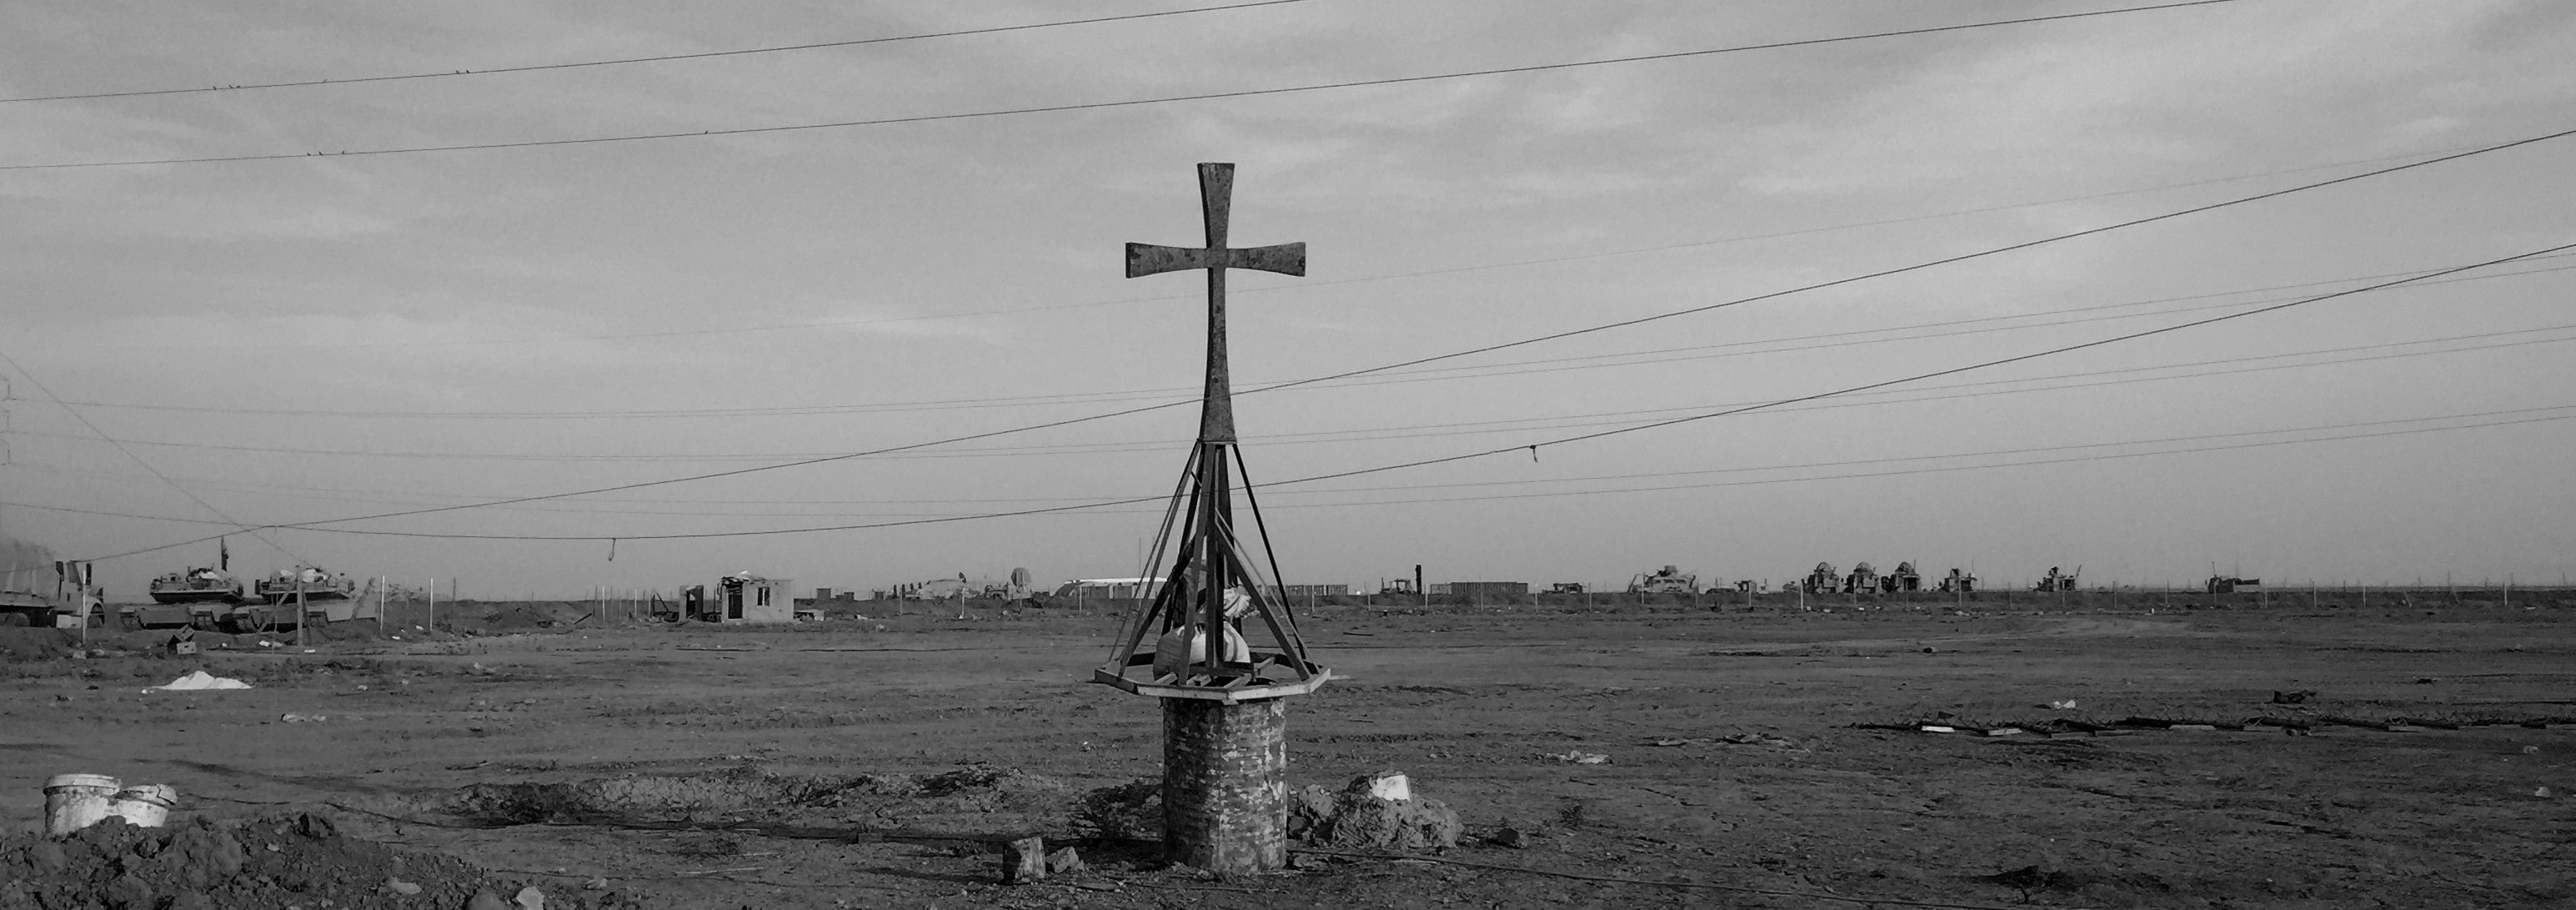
260,864
1374,812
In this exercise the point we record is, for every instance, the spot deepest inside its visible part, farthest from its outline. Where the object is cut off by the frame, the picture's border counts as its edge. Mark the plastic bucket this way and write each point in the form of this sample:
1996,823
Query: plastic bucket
144,805
76,801
1178,649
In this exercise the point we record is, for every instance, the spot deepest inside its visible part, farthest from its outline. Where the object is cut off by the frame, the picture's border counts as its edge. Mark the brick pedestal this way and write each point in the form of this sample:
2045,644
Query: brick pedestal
1225,784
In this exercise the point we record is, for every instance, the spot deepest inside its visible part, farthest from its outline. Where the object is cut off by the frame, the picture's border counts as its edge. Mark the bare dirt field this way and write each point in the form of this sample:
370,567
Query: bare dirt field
1754,759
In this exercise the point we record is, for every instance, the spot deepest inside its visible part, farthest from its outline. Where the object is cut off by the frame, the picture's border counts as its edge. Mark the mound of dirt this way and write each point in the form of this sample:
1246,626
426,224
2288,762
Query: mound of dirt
260,864
1356,818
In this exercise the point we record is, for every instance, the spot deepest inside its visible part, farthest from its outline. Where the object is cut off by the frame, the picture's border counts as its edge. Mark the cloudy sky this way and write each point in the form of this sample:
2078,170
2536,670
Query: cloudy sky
321,337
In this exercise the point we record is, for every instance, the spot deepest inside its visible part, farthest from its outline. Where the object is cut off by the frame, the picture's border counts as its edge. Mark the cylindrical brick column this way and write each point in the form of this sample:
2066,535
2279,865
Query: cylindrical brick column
1225,784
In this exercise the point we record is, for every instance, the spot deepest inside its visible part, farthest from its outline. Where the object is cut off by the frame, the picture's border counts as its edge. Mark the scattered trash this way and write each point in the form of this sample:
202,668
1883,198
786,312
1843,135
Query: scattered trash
2531,750
302,718
2067,705
1579,757
596,883
2425,680
2299,697
199,681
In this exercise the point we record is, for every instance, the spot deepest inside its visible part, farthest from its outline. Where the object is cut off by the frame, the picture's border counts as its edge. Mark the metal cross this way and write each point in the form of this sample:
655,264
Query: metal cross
1216,190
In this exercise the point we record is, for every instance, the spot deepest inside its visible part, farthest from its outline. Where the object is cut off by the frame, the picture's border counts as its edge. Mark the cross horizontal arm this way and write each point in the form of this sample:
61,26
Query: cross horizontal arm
1148,259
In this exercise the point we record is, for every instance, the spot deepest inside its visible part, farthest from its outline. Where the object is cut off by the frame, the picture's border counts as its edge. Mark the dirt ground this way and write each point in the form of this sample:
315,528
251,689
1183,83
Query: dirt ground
1749,756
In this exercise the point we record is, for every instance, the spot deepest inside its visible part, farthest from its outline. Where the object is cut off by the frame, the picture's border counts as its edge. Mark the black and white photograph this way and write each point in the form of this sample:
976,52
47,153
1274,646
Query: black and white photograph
1269,454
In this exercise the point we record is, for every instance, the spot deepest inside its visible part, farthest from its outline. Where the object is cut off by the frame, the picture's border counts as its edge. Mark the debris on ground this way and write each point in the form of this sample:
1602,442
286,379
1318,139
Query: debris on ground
1580,757
1360,817
2299,697
199,681
258,864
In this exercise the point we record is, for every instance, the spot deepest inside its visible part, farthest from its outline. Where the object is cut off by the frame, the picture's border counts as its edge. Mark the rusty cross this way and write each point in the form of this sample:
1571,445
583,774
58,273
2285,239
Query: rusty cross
1216,190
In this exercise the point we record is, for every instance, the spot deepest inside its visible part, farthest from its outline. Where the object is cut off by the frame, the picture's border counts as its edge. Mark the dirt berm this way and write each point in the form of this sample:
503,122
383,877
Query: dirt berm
261,864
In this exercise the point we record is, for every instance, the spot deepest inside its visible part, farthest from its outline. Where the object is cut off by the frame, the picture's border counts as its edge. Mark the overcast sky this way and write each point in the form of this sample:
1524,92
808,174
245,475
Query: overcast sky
326,337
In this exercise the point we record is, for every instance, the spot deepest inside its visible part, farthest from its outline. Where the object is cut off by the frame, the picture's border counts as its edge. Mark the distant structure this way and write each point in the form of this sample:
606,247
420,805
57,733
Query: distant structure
1959,583
741,597
1823,580
2058,581
1565,587
2220,584
1903,579
1667,580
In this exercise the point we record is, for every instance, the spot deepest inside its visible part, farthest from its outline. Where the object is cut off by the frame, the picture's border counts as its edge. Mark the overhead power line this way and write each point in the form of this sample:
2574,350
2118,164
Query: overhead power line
1101,105
48,392
1532,448
624,61
2051,352
1488,348
2509,417
1304,286
1423,430
1109,396
1483,427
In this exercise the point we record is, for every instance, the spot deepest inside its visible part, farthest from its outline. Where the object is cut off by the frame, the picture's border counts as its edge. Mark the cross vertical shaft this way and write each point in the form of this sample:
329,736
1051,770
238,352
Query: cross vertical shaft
1216,412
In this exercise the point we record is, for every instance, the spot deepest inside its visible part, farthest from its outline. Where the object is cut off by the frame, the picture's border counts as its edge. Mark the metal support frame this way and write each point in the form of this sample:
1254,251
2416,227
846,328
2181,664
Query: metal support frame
1200,537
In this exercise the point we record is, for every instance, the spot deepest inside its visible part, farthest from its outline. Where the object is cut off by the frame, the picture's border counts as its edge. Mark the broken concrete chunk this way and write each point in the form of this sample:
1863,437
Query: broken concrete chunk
1024,860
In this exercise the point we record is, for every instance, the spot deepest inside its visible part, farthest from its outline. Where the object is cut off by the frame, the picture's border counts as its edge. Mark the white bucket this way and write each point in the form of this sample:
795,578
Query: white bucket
1178,649
144,805
76,801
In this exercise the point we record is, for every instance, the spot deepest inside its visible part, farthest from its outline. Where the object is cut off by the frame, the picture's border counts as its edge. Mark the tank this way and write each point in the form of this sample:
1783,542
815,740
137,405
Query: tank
314,584
196,585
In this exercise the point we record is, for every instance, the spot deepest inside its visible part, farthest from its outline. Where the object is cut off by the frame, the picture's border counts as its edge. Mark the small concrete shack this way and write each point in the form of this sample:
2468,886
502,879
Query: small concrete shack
742,597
